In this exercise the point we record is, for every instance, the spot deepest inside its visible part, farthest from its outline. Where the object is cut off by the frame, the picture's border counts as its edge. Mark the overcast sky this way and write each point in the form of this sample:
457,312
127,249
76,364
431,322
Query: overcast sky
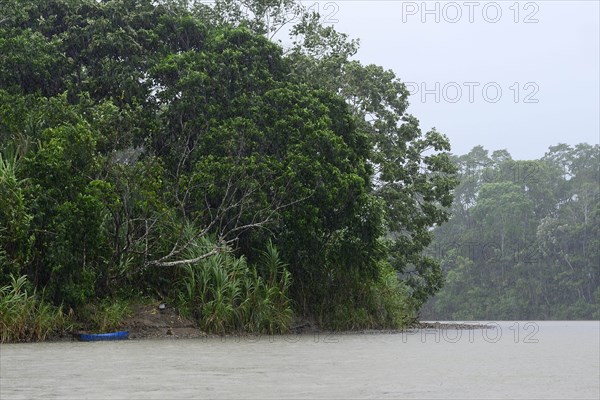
518,77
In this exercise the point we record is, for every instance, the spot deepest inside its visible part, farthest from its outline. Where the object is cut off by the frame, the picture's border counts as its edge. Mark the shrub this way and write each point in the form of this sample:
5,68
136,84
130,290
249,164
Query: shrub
15,242
359,302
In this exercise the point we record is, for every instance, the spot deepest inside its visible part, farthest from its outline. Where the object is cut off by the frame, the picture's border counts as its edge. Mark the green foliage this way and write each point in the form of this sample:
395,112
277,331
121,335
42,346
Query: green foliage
414,176
523,239
381,303
24,317
15,242
105,316
69,212
223,293
29,62
128,122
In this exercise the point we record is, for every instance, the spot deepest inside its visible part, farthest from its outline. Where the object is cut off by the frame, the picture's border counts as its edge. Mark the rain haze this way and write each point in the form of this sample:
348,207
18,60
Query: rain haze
520,76
195,205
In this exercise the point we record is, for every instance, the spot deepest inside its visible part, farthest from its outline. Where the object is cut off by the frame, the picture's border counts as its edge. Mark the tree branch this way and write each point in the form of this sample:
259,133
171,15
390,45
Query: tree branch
214,251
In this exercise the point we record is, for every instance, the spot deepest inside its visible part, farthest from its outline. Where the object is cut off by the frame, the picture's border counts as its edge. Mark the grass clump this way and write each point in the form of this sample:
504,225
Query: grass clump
106,316
110,315
225,294
24,317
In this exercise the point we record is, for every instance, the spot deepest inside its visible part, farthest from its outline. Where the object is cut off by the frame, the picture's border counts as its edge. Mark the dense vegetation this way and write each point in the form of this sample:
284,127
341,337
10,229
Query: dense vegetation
172,150
524,238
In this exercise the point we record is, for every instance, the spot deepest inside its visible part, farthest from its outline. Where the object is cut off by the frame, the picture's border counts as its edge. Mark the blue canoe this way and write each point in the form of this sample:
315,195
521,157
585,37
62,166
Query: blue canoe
95,337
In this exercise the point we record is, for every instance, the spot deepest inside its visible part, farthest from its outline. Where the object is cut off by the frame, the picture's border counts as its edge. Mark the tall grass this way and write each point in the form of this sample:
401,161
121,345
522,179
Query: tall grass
106,316
23,317
225,294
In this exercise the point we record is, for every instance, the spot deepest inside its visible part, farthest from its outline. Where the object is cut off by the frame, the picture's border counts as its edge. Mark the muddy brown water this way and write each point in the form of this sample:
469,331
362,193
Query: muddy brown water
515,360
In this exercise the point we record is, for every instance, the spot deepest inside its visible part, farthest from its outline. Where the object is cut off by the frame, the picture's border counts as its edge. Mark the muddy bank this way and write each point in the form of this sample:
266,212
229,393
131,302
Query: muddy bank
150,322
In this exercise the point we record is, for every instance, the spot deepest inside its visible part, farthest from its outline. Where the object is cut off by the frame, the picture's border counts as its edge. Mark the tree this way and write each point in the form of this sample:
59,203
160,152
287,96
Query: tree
413,175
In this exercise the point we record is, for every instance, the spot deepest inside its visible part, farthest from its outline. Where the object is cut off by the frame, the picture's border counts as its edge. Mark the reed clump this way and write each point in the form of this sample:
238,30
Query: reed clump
224,293
104,315
24,316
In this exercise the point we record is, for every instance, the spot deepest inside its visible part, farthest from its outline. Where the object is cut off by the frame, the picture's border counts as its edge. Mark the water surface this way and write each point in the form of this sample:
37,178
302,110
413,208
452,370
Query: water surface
516,360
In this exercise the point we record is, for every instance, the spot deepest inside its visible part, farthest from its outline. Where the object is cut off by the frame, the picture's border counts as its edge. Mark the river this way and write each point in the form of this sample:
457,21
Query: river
545,360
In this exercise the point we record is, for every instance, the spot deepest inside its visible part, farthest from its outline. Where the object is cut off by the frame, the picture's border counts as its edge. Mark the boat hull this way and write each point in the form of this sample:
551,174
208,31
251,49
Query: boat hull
98,337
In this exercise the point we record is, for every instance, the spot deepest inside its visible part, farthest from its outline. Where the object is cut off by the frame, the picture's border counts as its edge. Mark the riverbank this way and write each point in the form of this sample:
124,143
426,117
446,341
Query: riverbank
150,322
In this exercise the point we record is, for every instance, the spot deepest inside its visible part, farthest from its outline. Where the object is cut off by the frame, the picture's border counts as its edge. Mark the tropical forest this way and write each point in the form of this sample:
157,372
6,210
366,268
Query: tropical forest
239,165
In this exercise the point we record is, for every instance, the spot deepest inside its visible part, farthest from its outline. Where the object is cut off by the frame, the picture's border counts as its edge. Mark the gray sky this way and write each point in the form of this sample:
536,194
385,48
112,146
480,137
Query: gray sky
547,68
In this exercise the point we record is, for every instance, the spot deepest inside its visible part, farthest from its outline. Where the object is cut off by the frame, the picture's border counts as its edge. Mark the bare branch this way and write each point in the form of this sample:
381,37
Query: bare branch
211,253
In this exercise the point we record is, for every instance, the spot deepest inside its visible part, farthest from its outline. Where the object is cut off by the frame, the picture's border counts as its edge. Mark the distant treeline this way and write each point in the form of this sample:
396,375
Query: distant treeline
523,241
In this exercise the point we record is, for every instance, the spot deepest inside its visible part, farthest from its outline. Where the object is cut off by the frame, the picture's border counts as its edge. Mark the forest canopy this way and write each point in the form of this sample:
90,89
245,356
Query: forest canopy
176,150
524,238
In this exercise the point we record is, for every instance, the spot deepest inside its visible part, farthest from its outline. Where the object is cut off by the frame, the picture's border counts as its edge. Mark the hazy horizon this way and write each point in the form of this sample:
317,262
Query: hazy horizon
542,56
